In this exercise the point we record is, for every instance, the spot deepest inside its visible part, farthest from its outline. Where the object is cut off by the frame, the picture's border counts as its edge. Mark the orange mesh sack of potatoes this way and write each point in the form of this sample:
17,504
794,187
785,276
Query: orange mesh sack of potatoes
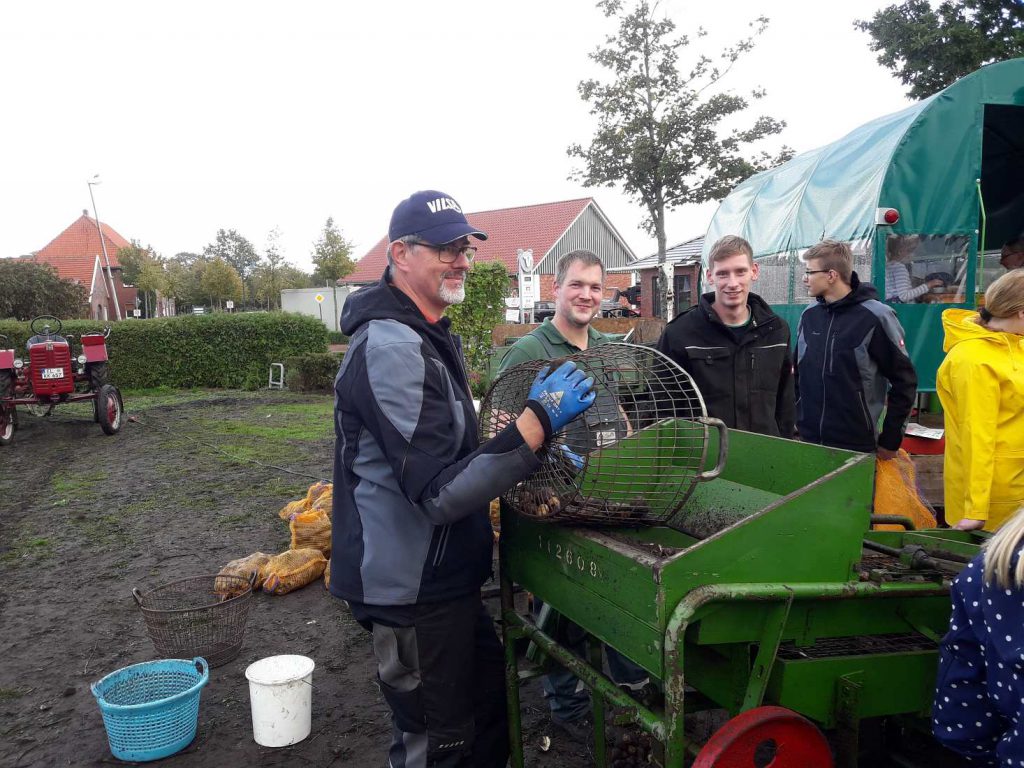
293,569
292,508
311,530
316,490
896,493
327,574
495,515
325,502
243,567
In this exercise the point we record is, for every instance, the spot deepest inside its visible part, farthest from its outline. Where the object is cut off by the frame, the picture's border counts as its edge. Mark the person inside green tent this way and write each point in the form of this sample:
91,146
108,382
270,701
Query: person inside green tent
1012,254
899,285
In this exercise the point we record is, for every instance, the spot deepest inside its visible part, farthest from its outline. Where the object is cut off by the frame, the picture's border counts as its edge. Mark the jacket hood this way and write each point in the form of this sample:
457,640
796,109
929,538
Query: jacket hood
859,293
960,325
381,301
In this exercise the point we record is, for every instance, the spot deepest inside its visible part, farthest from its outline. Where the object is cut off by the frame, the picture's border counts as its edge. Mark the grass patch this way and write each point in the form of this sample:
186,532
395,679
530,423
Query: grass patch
11,693
103,530
81,486
28,548
155,397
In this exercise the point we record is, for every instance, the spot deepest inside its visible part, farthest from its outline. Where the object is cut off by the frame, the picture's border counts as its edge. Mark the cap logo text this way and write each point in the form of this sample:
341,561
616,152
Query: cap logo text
443,204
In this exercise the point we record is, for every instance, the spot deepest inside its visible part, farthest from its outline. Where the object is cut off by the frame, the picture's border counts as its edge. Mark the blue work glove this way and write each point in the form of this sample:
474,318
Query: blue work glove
558,398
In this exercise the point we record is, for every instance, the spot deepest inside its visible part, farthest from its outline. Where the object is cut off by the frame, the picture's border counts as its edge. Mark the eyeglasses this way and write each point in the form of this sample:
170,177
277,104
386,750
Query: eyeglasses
809,272
449,254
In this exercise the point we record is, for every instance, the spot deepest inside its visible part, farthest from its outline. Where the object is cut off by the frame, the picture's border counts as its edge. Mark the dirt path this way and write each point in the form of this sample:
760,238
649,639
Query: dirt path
84,518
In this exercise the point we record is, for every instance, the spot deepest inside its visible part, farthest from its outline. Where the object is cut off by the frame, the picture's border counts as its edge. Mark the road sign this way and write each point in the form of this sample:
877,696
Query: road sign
319,298
229,304
526,260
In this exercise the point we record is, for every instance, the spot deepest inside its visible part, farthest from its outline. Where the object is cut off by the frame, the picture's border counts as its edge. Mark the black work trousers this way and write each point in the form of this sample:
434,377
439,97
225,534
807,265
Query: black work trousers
441,669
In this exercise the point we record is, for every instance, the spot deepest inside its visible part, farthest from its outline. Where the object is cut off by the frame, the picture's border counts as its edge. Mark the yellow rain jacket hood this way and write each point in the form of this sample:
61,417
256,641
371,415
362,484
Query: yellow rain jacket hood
981,386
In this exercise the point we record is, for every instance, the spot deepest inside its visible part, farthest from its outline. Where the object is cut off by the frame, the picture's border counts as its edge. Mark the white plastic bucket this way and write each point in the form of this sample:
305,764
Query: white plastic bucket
281,695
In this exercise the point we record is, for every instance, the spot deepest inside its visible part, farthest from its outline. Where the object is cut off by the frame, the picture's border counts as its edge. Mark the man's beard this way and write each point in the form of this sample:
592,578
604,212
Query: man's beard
451,295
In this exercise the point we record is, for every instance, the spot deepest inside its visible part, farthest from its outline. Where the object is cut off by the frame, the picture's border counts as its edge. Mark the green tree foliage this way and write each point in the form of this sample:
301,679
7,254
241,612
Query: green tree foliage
181,278
142,268
28,289
332,255
132,258
659,134
475,318
237,251
928,48
220,281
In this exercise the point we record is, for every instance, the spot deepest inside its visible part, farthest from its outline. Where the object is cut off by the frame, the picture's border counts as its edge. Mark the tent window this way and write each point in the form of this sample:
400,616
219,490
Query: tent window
925,268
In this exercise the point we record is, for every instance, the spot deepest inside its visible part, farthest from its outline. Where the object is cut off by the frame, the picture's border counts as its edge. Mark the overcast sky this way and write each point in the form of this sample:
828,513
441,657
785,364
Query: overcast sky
255,115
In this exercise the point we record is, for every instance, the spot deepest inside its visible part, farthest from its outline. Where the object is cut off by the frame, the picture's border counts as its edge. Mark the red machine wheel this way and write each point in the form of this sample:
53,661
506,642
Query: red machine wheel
766,737
109,408
7,419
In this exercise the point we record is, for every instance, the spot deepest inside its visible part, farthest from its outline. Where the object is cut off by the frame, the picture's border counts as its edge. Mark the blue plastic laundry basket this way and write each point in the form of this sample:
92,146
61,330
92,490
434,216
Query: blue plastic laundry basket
150,710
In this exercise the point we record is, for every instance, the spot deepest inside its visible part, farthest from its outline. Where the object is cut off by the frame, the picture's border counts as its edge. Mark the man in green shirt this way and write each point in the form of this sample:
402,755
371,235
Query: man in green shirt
578,289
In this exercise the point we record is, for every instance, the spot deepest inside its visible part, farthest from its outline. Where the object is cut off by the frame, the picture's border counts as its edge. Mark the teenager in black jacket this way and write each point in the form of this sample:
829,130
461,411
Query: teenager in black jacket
851,360
736,349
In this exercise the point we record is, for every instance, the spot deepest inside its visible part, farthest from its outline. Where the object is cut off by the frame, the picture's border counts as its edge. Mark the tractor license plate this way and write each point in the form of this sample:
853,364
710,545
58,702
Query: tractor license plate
53,373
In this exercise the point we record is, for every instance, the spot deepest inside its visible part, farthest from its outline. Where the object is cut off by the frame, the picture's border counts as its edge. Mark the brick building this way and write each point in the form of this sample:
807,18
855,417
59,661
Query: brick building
686,265
77,254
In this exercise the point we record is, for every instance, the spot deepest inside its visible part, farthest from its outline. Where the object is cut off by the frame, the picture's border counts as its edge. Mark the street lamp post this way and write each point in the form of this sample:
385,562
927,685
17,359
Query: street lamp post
103,244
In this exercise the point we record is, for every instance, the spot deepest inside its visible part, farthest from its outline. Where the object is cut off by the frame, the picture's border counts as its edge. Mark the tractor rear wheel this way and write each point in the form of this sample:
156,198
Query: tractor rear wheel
109,409
98,373
766,736
6,424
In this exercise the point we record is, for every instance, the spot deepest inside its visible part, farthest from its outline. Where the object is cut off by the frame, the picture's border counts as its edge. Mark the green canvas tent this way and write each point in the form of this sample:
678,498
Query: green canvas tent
952,166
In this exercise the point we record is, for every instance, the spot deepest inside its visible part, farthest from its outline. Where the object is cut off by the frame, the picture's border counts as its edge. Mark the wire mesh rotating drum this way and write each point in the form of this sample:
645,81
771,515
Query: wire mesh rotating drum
633,458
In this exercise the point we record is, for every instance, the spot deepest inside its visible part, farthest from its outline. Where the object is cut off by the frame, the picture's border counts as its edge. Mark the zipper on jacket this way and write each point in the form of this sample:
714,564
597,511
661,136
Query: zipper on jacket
442,545
867,414
821,423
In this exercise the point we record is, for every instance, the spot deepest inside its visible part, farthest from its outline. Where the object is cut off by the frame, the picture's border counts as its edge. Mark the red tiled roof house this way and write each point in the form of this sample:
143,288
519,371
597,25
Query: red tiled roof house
548,229
77,254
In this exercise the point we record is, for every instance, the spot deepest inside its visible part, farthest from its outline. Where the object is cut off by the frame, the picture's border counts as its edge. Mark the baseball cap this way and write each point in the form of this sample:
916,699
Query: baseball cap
432,216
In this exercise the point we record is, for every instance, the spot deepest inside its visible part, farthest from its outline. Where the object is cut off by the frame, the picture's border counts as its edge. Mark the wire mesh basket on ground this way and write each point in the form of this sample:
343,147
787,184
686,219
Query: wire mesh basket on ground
198,616
633,458
151,710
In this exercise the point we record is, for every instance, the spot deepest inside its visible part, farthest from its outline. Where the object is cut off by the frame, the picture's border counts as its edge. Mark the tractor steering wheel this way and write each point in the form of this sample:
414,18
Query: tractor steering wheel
45,326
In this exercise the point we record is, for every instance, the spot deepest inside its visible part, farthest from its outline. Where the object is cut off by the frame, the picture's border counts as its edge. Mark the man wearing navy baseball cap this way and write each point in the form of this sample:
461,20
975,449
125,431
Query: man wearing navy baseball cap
412,540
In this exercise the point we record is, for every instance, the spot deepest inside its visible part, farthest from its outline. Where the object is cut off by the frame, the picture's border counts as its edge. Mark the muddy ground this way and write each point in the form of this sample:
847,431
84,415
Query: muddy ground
84,518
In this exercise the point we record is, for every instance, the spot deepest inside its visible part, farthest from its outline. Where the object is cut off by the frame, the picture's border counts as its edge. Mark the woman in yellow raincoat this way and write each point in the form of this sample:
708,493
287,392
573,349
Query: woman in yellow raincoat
981,386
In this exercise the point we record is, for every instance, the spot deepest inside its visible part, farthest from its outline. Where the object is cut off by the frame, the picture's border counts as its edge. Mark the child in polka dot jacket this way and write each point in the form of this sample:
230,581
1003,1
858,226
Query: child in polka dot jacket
979,697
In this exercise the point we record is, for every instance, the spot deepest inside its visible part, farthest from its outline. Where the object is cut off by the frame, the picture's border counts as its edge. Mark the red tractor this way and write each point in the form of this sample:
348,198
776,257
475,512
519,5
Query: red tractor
52,376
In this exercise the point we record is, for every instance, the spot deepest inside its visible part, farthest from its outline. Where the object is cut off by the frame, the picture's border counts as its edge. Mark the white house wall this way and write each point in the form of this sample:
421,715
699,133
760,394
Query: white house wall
303,301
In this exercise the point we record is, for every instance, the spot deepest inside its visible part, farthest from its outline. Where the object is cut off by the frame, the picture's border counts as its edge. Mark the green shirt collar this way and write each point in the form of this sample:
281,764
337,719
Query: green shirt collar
594,337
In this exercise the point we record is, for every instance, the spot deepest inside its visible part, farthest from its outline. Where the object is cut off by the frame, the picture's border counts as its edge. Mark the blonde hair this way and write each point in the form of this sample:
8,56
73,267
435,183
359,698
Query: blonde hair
999,551
730,245
1005,297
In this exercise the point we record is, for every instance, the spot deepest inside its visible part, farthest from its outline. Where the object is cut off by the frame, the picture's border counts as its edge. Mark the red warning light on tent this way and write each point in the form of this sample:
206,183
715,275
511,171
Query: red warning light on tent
886,216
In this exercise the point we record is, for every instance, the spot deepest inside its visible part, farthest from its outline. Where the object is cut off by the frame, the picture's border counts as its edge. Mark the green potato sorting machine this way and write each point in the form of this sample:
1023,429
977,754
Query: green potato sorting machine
762,592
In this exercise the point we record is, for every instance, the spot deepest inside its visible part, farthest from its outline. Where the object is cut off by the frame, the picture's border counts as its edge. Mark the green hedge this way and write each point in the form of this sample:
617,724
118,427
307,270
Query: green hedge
337,337
311,373
220,350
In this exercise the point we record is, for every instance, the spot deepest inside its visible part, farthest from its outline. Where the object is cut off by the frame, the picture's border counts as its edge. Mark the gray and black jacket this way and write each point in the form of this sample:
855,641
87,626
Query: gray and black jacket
851,362
412,482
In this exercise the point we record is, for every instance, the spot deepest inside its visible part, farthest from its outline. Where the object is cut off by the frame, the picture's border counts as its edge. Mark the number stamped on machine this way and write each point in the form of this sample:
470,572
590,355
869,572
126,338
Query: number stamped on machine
571,558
